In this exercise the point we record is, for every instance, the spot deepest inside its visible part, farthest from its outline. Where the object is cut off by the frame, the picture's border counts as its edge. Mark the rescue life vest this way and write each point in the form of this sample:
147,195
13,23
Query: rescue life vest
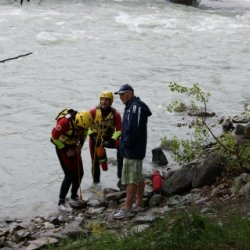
70,137
104,126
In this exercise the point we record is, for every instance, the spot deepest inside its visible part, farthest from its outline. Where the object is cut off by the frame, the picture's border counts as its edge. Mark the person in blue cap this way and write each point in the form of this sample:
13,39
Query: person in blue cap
133,149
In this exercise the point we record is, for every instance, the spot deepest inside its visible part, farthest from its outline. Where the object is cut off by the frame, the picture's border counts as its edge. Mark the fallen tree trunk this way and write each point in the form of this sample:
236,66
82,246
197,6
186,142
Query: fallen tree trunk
16,57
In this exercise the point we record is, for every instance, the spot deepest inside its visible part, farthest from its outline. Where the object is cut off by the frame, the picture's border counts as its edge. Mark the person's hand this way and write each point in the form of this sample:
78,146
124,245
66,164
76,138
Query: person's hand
109,143
93,136
70,153
78,149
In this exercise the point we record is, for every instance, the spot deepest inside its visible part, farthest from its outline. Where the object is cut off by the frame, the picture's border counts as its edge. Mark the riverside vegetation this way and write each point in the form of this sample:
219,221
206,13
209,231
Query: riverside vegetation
226,226
177,230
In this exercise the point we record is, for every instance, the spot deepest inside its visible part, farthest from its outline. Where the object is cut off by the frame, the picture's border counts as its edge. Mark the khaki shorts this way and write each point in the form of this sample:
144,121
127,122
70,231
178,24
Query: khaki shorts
131,171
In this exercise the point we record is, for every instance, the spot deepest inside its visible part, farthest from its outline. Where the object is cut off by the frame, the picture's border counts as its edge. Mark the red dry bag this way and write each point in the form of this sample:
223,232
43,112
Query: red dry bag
157,181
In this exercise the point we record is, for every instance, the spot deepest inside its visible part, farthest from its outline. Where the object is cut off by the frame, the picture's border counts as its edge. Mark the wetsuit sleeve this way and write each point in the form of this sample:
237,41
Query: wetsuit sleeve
83,137
118,126
62,126
90,132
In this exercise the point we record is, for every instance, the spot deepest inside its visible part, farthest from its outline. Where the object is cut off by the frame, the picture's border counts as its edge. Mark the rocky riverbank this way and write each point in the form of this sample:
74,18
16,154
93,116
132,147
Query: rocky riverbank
219,198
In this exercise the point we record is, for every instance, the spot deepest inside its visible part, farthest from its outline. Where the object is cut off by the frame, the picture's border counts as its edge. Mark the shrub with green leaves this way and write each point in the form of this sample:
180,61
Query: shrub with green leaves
236,155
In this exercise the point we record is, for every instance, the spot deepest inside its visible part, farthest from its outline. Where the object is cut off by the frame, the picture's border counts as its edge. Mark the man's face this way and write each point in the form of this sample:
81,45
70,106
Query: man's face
105,102
125,97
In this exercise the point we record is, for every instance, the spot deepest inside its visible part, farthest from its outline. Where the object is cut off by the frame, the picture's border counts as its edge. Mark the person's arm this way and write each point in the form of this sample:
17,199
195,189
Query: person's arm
133,124
83,137
61,127
92,133
114,140
118,126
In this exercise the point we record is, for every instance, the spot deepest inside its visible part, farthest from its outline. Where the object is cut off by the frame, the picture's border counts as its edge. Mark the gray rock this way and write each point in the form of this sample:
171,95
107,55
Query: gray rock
144,218
245,190
201,200
207,210
48,234
190,198
239,182
159,157
49,225
38,220
247,131
115,196
167,174
11,245
155,200
174,200
39,243
2,239
140,228
72,229
241,119
95,203
3,231
239,129
180,181
109,190
112,204
22,233
99,210
207,172
55,221
228,125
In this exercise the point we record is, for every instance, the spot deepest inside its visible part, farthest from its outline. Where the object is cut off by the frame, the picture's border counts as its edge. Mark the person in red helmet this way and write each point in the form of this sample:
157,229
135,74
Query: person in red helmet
68,136
104,133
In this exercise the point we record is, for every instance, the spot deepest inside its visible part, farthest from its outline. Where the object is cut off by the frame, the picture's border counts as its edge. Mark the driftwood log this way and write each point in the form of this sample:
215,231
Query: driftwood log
16,57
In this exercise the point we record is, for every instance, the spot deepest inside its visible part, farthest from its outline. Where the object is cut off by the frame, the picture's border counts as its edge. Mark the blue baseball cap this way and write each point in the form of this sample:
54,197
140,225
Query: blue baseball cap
124,88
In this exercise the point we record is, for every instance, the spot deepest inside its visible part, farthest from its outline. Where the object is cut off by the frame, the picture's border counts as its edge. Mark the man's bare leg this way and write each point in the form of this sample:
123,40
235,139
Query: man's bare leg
130,195
139,193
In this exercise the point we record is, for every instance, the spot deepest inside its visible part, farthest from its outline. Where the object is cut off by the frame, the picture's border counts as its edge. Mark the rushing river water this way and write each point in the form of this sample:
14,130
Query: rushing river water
83,47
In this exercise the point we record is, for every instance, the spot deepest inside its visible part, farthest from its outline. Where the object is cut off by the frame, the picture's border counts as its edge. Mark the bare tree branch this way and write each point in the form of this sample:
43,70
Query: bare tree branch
16,57
209,129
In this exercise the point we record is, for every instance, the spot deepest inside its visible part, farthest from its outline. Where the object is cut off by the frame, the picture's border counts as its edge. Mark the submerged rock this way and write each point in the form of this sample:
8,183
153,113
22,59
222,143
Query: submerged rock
186,2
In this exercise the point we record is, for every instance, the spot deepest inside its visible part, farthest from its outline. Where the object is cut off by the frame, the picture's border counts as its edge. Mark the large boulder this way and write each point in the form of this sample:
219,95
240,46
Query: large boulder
247,131
239,182
180,181
159,157
186,2
207,171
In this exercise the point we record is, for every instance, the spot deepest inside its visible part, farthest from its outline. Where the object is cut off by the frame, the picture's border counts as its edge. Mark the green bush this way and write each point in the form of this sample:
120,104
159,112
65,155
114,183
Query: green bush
236,156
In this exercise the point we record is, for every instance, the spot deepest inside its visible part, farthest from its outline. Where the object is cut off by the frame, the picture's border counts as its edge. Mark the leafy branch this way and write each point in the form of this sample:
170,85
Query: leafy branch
188,150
